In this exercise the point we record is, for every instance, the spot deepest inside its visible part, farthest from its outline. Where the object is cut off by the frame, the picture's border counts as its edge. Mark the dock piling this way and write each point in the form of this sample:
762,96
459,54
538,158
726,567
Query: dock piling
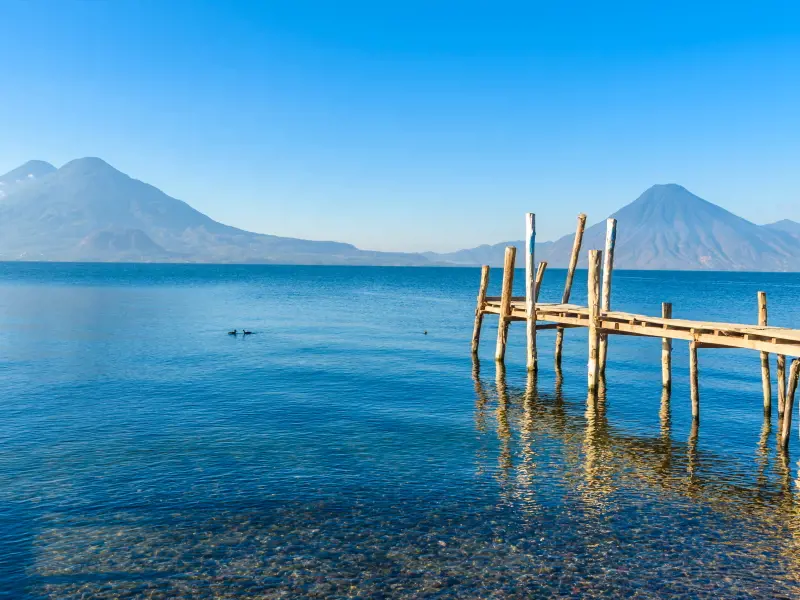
666,351
605,303
530,289
765,382
781,374
476,330
594,317
602,322
505,303
786,430
694,380
573,262
539,277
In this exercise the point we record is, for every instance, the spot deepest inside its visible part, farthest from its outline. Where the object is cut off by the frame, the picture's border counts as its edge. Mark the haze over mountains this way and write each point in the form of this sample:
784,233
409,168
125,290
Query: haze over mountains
89,211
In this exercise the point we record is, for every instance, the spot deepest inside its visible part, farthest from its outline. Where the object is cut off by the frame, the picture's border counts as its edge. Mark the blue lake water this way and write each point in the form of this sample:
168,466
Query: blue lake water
340,452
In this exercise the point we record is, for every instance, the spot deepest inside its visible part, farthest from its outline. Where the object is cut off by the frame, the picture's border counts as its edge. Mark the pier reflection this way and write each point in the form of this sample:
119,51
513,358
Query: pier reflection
538,431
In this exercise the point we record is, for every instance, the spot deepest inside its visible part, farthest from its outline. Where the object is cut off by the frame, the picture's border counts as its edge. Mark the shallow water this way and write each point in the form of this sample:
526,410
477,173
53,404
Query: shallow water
339,452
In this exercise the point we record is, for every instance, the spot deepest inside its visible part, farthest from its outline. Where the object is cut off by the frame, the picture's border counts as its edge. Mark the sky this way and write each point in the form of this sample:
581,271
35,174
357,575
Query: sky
413,125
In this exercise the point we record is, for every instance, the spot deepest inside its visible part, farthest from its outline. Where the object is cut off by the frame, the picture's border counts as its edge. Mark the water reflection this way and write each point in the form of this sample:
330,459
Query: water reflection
602,459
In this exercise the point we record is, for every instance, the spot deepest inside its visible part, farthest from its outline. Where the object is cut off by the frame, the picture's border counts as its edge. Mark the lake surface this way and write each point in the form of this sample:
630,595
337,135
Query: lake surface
340,452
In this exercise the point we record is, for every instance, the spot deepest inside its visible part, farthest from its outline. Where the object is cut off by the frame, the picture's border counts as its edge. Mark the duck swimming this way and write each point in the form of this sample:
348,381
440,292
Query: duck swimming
234,332
245,332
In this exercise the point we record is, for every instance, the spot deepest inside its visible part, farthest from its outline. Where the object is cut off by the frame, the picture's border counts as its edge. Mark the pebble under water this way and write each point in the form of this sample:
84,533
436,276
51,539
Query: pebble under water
338,452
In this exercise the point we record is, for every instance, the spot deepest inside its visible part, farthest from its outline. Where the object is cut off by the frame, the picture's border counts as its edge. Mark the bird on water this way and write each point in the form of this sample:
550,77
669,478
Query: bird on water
234,332
245,332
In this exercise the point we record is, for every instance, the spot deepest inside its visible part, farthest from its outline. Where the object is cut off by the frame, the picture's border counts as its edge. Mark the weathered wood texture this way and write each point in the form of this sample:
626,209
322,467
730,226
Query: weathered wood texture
530,289
594,314
765,382
539,277
786,430
573,263
476,330
777,340
781,374
605,302
694,380
666,351
505,303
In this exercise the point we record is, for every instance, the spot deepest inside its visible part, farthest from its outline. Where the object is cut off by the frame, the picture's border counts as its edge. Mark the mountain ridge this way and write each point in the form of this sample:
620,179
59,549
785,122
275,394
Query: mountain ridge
49,217
89,210
668,228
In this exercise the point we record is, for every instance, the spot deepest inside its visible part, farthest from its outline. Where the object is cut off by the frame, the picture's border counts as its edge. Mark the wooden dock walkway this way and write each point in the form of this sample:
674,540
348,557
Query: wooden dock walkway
778,340
603,322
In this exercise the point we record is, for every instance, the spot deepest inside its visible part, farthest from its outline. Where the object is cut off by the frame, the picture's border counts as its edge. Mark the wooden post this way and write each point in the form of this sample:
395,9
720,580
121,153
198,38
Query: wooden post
765,383
781,384
605,303
594,317
530,288
505,302
794,371
666,351
694,380
476,331
540,277
573,262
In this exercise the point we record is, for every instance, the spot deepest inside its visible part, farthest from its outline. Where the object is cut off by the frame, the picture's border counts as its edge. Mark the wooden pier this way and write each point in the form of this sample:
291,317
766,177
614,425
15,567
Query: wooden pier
602,322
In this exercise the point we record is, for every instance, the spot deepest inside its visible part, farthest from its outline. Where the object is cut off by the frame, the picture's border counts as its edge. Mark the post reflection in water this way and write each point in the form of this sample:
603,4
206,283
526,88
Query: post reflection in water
762,453
503,428
557,441
526,471
665,421
599,477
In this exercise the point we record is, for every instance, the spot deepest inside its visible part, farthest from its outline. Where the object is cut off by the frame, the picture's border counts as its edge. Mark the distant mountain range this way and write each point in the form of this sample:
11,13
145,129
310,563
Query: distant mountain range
667,227
89,211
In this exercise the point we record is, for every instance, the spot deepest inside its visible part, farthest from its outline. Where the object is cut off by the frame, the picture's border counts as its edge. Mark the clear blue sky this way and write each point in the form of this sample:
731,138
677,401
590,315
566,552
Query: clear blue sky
412,125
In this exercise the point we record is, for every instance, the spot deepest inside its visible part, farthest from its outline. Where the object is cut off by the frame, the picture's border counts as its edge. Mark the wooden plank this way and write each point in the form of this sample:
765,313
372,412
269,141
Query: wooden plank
666,351
476,330
530,290
594,313
728,335
605,302
544,326
765,382
573,263
694,380
680,334
702,345
505,303
497,299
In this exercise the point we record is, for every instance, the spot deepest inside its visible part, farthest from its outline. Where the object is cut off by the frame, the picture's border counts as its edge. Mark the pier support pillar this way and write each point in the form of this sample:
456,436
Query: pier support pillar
539,277
594,318
781,374
666,351
505,303
694,381
476,330
765,382
605,302
786,430
573,262
530,289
